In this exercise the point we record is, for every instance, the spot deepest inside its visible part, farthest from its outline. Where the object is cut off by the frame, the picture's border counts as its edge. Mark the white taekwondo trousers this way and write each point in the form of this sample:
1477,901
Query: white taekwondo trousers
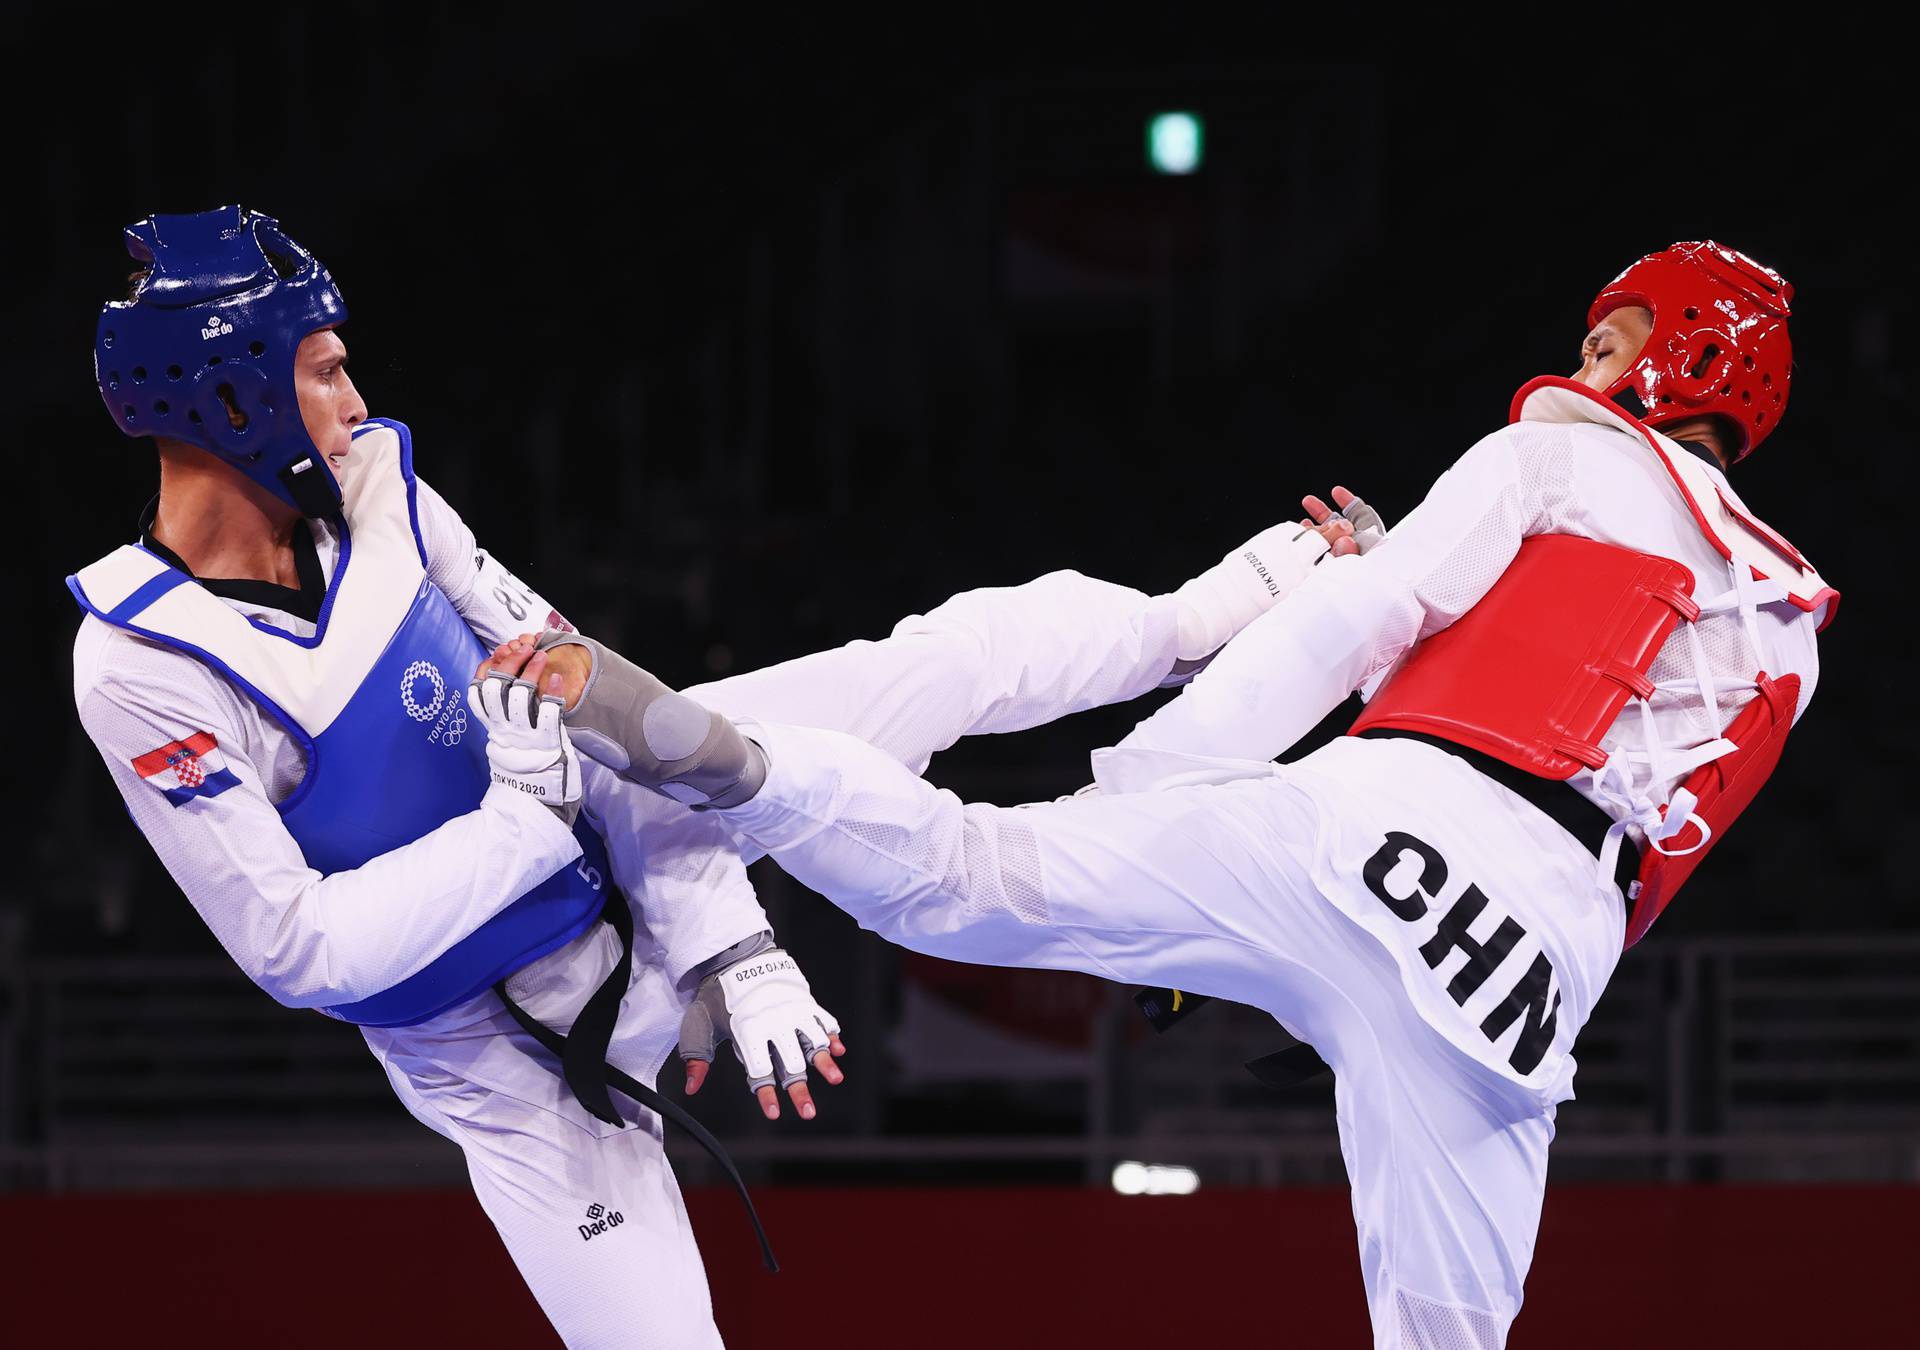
1203,866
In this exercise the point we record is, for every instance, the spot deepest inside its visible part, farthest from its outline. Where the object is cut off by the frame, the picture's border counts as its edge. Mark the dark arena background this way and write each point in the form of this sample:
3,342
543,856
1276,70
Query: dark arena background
740,343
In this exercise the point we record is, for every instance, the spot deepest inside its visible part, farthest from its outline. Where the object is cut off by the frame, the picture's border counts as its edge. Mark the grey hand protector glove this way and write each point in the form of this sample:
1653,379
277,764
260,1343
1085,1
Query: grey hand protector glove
650,735
1369,529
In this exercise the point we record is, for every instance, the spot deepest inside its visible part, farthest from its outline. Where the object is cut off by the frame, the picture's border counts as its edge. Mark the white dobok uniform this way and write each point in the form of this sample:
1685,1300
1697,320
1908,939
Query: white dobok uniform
1203,866
992,660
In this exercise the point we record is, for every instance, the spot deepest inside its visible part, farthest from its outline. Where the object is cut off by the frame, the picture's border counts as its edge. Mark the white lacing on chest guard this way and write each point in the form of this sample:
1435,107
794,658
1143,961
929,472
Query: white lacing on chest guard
1632,783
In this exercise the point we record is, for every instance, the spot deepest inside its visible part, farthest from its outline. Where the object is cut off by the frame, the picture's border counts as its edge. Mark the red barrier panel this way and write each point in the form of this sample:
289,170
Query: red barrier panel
930,1269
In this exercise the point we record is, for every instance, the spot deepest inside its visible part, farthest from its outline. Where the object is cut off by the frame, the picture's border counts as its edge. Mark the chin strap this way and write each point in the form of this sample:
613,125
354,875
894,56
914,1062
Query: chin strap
311,488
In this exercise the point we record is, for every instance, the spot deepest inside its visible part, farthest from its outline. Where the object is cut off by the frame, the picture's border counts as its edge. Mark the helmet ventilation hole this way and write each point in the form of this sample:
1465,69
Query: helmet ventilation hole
1726,389
139,374
256,349
1666,398
106,339
1747,361
193,417
113,379
173,372
128,410
160,406
1746,395
213,360
1691,312
236,418
1700,366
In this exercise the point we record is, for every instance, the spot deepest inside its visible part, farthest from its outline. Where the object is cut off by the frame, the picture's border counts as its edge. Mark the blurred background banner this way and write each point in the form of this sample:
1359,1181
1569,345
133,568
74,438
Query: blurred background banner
740,342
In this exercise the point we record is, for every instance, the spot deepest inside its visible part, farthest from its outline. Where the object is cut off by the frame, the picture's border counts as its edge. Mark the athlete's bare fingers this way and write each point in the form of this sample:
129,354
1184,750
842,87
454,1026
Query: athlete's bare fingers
769,1101
839,1046
696,1074
1317,510
536,666
1344,547
506,658
823,1061
802,1099
1336,531
1343,498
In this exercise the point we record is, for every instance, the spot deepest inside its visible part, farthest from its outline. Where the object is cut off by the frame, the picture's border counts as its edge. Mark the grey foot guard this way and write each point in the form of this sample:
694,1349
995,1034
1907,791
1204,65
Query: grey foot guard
650,735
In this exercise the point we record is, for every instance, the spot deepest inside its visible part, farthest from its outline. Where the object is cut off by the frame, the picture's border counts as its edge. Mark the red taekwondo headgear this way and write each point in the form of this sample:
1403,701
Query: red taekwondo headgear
1719,341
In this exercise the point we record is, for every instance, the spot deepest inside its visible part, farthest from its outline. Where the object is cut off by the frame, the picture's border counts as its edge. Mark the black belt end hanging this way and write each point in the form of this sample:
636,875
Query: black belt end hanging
583,1063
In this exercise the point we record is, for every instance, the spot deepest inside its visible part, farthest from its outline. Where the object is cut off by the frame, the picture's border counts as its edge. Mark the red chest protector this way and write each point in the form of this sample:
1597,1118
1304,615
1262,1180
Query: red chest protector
1538,671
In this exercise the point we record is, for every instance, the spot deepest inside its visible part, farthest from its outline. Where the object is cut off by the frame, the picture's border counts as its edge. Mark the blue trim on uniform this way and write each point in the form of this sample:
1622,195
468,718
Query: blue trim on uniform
146,594
413,484
279,714
346,545
326,603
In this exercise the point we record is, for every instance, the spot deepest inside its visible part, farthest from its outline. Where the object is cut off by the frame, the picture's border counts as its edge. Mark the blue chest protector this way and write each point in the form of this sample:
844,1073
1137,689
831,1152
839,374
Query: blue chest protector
402,758
395,757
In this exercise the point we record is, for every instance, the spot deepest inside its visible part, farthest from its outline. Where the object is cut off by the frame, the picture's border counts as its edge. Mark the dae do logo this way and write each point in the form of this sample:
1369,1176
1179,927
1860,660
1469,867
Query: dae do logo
600,1220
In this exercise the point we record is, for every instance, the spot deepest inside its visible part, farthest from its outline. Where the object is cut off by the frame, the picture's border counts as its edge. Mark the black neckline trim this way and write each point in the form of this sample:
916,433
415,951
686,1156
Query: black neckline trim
302,603
1702,451
1628,401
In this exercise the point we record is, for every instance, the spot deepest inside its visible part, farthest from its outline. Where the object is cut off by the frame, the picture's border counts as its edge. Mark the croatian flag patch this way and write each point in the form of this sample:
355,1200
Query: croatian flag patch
183,770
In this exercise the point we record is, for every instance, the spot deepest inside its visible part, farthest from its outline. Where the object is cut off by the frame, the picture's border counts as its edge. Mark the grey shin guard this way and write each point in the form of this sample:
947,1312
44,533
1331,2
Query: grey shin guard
650,735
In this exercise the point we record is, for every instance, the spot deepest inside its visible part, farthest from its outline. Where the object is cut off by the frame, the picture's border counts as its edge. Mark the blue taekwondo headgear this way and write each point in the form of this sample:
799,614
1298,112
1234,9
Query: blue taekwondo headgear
216,321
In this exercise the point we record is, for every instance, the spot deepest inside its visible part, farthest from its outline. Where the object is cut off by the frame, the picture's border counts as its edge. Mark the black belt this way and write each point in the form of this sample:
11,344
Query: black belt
1553,799
1297,1063
583,1061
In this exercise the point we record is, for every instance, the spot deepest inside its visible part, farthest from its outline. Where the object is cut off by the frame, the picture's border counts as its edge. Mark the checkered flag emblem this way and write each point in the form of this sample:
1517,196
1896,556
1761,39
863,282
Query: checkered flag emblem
595,1211
186,768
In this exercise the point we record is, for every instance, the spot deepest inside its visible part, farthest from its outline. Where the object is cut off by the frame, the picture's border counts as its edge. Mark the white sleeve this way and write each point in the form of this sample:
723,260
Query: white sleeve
496,604
680,870
1355,615
311,940
991,660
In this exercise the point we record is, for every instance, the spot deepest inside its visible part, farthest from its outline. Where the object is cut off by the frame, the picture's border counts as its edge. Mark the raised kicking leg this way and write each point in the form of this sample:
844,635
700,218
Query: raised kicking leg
1207,888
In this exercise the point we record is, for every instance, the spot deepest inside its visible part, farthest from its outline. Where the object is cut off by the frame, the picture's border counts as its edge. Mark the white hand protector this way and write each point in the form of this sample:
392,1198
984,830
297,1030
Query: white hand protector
764,1005
1244,585
527,745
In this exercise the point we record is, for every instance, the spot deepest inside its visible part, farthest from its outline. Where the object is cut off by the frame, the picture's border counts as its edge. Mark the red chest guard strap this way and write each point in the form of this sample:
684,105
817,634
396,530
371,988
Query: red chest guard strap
1721,790
1536,672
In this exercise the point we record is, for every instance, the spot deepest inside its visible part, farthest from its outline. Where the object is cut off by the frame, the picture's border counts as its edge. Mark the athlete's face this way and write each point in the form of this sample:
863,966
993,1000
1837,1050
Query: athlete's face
329,404
1613,345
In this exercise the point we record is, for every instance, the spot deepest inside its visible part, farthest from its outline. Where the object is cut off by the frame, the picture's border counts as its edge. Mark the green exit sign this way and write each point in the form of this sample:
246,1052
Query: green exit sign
1176,142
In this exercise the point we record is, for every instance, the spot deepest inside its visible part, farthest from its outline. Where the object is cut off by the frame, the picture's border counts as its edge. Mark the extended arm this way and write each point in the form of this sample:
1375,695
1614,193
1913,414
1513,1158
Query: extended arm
681,873
1356,615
